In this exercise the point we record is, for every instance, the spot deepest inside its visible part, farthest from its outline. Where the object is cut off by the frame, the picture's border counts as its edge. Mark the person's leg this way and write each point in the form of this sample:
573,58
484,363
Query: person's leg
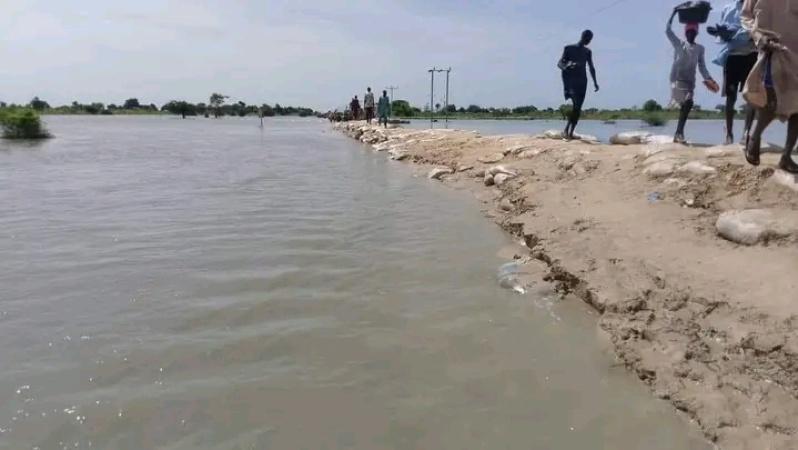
684,113
731,102
764,117
787,163
750,114
576,113
567,132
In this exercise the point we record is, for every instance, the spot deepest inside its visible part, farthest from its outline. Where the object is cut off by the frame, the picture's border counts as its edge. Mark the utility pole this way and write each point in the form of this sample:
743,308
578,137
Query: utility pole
446,101
432,97
392,88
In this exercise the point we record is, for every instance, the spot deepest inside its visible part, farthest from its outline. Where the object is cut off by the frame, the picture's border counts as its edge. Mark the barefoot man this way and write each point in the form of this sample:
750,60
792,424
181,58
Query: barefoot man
737,57
574,62
772,86
687,56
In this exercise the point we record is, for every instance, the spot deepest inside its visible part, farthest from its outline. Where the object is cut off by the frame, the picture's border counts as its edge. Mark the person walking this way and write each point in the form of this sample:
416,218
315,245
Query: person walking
354,106
772,86
687,56
368,104
384,109
575,60
737,57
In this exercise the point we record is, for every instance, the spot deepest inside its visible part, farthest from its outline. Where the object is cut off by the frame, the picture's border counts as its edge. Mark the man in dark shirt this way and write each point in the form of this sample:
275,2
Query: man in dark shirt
574,62
354,106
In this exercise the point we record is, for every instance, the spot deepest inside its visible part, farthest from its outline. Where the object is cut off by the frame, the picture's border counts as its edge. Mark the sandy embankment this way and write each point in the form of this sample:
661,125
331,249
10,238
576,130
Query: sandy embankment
709,324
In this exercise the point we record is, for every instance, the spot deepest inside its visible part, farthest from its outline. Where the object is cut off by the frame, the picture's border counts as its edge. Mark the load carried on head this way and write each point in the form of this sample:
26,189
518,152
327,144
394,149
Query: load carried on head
694,12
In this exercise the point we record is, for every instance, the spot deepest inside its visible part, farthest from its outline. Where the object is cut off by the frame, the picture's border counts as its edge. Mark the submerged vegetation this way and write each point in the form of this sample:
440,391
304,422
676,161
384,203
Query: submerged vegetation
22,123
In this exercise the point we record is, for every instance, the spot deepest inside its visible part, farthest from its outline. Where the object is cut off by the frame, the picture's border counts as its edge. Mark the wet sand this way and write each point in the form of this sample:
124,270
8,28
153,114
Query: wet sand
688,254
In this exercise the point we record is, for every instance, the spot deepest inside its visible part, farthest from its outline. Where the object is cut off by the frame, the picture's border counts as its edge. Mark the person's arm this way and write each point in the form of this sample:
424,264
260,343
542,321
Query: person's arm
563,63
592,69
702,66
677,43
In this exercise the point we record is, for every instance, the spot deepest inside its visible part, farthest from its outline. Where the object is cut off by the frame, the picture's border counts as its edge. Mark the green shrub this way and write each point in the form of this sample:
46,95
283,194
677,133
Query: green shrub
22,123
654,120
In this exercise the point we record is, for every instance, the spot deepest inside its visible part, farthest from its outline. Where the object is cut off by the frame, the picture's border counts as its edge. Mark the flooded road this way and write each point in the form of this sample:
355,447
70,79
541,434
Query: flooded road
205,284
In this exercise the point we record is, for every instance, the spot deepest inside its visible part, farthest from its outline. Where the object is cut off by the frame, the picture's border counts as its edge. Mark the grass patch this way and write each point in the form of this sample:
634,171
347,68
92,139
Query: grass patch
22,123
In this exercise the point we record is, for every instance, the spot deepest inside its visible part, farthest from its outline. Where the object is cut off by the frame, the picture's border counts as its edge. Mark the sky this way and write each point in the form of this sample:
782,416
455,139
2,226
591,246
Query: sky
320,53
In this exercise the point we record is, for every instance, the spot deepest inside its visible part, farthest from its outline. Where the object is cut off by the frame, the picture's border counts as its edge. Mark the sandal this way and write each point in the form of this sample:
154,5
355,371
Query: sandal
752,147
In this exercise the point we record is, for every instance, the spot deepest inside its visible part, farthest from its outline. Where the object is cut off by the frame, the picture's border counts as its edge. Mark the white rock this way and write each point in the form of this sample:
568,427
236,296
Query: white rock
785,179
587,139
721,151
664,156
528,154
518,149
439,172
552,134
464,167
495,170
629,138
750,227
697,168
492,158
659,140
660,169
653,149
398,154
674,182
501,178
382,147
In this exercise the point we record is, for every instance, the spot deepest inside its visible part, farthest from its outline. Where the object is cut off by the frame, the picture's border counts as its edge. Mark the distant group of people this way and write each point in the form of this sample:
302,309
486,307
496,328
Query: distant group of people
759,58
383,108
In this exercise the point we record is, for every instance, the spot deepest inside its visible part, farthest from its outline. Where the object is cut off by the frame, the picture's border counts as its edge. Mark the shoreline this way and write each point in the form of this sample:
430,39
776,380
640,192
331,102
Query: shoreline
709,324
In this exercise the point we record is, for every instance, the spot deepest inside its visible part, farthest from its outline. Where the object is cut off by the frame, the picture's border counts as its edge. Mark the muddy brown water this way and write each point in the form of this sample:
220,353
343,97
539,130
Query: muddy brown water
206,284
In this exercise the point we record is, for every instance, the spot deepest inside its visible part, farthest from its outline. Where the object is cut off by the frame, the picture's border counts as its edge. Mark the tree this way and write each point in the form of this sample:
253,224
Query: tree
3,104
720,107
402,108
652,106
451,108
266,110
181,107
278,109
131,103
94,108
473,109
38,104
216,101
565,111
525,109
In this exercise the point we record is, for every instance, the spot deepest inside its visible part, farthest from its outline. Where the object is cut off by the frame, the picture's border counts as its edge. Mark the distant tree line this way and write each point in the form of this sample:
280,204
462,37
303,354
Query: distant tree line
217,106
651,111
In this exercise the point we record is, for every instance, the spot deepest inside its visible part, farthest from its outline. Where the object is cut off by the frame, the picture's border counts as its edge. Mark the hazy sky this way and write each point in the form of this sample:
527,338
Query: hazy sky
319,53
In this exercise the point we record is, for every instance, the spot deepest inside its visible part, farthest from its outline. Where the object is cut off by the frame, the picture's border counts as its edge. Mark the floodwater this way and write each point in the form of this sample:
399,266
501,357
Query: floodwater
205,284
705,132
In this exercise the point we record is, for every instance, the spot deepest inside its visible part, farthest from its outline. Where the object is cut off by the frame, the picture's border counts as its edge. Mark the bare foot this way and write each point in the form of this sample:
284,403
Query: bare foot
788,165
752,151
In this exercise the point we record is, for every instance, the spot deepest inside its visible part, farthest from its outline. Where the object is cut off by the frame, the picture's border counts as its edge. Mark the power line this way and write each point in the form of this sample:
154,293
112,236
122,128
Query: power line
611,5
